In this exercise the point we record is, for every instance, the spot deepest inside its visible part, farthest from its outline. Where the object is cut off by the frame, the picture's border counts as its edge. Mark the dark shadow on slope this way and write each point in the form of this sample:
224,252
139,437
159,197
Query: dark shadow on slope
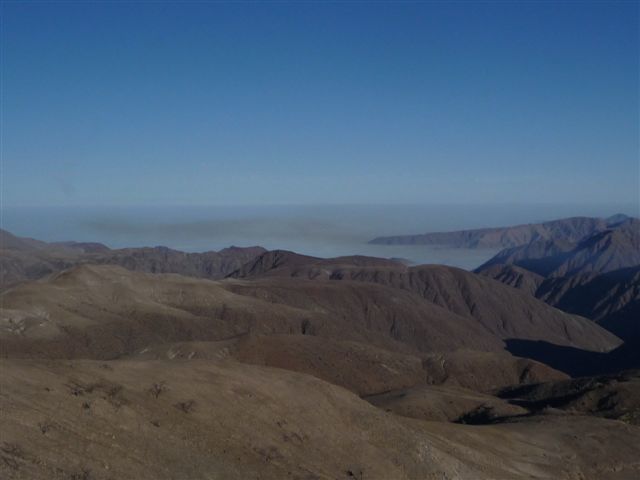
610,396
574,361
484,415
625,323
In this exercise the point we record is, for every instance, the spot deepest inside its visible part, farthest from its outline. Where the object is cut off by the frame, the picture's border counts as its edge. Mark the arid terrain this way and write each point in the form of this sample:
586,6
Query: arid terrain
152,363
319,240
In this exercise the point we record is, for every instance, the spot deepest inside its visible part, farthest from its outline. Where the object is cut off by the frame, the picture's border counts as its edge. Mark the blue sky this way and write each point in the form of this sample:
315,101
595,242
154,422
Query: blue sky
124,103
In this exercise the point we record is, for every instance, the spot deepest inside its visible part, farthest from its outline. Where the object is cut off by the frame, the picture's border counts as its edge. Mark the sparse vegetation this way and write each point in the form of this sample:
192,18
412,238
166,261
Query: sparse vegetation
78,388
10,453
355,474
82,474
186,406
157,389
45,426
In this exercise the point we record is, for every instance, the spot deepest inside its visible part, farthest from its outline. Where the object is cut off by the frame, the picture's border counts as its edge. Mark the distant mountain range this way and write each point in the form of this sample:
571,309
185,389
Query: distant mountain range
616,247
565,230
23,259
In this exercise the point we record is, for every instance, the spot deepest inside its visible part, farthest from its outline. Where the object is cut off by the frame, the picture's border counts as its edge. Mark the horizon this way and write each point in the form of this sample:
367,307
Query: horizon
318,230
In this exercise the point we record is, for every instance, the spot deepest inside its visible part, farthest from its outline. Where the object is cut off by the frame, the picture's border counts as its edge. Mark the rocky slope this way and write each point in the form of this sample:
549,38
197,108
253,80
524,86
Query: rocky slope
202,419
514,276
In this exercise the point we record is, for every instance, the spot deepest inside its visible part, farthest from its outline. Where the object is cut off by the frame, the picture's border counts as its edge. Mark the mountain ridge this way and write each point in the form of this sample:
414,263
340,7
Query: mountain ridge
598,277
570,229
23,259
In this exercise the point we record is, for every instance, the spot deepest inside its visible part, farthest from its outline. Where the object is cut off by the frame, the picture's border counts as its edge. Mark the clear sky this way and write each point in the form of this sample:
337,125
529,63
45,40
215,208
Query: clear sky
147,103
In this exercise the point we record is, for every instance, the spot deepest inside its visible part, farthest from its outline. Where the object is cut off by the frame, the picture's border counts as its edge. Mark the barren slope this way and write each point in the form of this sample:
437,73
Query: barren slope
503,311
514,276
106,311
598,278
212,419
